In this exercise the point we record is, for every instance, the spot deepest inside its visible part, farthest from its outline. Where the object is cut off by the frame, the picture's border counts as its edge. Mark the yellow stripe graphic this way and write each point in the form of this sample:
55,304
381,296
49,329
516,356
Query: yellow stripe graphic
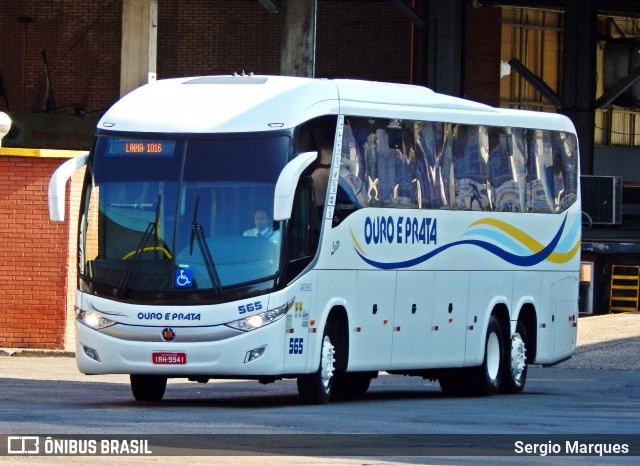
355,241
528,241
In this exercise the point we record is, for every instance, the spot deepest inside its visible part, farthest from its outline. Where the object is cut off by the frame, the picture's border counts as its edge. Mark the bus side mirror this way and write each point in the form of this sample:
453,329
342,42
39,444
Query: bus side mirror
286,185
58,184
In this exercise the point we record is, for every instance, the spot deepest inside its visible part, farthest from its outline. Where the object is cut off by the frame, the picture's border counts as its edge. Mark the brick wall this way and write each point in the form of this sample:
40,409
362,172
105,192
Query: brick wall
82,44
367,40
199,37
33,257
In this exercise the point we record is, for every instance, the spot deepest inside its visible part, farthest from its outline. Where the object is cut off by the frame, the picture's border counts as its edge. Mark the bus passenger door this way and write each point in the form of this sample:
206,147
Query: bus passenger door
371,322
447,334
412,320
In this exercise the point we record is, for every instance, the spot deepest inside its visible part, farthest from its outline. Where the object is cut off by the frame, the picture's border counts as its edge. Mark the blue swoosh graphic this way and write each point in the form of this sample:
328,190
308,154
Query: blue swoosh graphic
567,243
522,261
498,237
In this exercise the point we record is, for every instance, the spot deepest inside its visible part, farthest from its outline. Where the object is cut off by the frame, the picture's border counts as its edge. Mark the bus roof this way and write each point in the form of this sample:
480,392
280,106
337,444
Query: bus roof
229,104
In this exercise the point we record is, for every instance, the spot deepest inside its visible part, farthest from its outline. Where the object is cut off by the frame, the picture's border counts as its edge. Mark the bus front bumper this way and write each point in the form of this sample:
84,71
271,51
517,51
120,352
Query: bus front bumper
256,353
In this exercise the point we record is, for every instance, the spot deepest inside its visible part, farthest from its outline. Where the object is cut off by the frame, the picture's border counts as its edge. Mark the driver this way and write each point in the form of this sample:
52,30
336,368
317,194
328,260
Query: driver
263,227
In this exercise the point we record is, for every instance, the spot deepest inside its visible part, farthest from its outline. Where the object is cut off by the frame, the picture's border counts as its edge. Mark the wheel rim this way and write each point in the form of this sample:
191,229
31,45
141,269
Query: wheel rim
327,363
493,356
518,357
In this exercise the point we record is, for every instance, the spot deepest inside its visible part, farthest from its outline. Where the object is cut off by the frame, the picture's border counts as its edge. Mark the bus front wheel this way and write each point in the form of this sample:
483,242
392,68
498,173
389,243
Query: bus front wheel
148,387
316,388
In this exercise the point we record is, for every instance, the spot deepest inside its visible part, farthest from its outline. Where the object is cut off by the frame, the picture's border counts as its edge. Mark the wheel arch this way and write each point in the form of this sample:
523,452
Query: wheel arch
336,315
501,312
340,320
529,319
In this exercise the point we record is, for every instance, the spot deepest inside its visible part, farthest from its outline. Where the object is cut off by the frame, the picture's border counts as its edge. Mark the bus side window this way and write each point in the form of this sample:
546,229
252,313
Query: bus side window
434,165
564,165
518,154
541,183
405,188
504,171
353,184
318,135
471,168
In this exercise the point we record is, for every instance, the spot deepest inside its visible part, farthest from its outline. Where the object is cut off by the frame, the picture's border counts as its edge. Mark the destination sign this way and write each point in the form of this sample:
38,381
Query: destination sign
137,147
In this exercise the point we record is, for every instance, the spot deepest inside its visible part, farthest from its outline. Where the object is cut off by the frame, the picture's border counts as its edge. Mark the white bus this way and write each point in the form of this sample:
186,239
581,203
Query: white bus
410,232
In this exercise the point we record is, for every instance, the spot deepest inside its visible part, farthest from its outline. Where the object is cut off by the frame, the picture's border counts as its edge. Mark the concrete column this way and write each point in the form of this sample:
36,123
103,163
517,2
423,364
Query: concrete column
139,44
446,32
579,74
298,48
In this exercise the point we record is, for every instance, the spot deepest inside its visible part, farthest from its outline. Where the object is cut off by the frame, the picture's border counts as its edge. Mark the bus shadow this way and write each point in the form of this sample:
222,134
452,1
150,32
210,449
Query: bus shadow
218,394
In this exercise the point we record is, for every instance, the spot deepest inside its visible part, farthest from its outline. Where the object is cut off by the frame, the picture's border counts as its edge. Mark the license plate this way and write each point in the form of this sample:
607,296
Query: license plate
169,358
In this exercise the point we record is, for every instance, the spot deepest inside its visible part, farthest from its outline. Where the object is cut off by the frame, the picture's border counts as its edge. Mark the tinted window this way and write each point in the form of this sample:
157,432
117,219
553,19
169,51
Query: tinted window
439,165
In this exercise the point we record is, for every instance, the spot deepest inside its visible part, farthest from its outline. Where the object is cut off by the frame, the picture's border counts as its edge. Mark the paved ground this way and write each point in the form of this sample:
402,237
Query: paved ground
604,342
608,342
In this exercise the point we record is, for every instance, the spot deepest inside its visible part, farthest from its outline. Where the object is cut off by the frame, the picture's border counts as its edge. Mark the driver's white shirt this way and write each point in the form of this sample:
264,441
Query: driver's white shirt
267,233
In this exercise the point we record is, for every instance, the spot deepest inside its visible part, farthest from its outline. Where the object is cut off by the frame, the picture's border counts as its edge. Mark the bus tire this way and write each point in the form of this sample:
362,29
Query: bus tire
351,385
485,379
515,373
317,388
148,387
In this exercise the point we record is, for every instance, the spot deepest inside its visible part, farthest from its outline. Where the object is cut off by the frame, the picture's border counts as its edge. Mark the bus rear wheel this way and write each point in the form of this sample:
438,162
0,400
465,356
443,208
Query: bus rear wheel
316,388
515,374
148,387
485,379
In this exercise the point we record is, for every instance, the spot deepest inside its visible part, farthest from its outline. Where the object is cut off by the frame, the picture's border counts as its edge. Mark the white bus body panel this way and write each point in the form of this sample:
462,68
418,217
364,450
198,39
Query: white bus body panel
211,348
189,105
453,276
412,321
181,105
470,265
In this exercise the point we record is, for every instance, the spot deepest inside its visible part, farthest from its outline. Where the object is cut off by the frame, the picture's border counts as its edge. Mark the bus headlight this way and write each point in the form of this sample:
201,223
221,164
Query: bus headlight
93,319
260,320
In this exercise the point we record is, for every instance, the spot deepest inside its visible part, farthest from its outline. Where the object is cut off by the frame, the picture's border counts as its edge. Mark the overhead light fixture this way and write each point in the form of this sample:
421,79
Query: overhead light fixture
5,125
505,69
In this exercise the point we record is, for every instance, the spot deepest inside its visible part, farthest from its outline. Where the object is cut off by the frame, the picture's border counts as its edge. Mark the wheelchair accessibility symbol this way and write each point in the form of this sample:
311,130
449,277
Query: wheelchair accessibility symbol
183,278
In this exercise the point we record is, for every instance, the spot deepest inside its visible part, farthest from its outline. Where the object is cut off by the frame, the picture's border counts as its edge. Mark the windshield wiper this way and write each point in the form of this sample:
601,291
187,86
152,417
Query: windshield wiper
198,234
149,233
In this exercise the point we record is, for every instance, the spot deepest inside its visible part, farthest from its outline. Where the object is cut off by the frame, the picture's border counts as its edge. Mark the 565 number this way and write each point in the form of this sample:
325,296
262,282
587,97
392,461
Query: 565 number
296,345
249,307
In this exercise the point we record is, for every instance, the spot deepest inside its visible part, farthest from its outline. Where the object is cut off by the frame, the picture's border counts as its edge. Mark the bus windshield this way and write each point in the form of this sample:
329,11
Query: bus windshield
180,215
